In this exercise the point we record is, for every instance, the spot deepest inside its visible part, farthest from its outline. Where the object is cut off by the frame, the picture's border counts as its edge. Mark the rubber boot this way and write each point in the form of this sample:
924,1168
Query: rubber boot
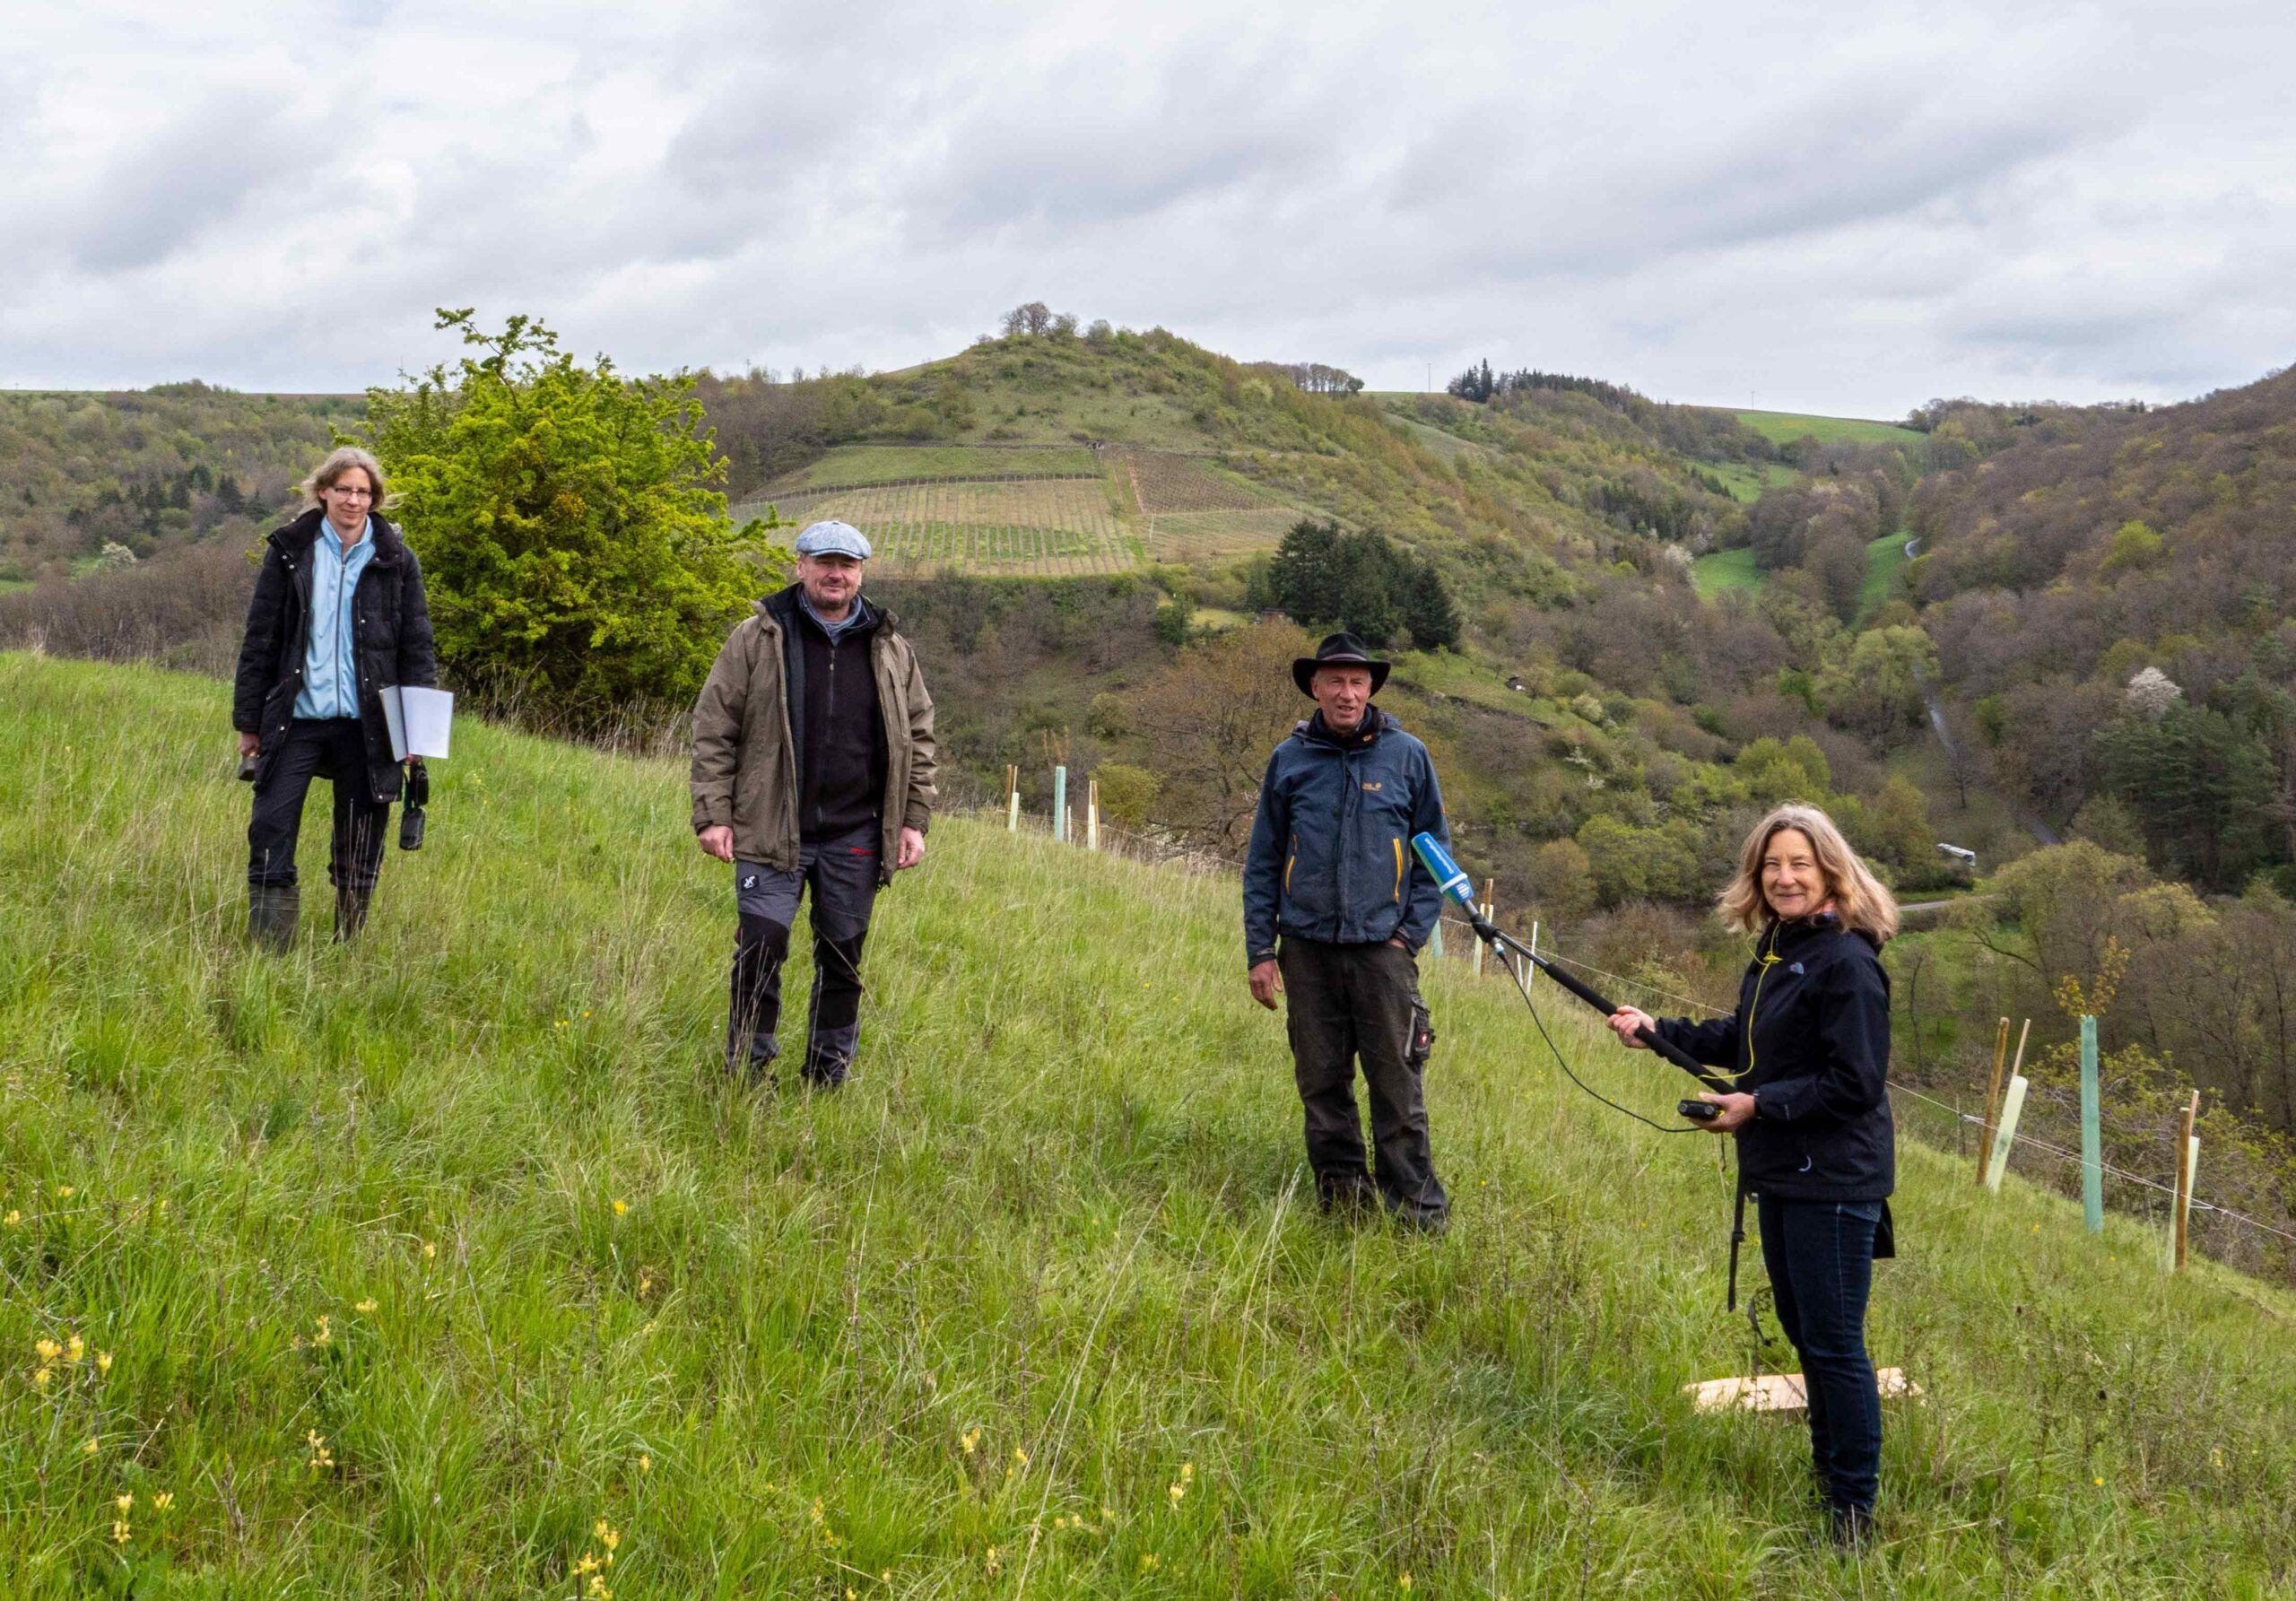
272,909
350,913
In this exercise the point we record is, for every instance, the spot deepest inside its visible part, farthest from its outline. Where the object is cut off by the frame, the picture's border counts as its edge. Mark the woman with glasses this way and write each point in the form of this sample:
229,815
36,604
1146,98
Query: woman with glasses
338,616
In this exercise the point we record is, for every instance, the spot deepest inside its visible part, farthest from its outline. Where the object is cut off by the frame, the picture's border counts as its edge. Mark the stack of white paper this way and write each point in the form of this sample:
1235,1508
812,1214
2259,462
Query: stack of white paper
420,719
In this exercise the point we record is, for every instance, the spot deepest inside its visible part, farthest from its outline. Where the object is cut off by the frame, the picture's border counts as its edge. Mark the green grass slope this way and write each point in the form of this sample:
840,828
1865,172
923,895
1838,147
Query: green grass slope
417,1268
1720,570
1784,428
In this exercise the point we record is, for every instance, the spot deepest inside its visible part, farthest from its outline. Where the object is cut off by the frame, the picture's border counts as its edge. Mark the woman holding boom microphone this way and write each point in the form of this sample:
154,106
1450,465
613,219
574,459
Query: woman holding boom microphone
1809,1049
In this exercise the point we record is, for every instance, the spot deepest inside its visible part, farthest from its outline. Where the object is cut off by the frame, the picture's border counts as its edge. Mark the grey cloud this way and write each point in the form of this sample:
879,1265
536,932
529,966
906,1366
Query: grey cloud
192,175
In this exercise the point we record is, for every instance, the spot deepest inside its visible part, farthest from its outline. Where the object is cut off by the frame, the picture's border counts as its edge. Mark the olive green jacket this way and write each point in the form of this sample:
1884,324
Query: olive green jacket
745,766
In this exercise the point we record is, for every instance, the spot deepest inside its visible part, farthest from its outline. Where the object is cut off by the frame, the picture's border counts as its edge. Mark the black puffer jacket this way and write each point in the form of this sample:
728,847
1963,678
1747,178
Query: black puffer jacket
1810,1041
390,642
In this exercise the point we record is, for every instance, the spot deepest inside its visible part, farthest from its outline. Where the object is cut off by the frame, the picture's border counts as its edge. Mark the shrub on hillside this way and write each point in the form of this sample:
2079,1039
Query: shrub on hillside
575,547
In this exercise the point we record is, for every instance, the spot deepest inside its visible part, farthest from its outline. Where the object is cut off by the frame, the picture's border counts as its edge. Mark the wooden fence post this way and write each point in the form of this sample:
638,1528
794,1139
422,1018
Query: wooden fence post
2093,1148
2187,1158
1994,1101
2012,1106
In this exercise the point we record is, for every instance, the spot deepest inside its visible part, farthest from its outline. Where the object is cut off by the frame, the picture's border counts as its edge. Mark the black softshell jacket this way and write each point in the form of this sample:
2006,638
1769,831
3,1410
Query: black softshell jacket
1810,1041
390,634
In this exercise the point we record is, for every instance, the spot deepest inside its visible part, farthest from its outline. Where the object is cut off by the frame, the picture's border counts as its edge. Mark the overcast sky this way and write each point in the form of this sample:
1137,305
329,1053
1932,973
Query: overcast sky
1810,207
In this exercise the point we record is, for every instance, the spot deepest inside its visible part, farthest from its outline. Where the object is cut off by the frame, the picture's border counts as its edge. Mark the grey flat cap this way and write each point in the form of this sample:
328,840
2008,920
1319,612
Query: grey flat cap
833,539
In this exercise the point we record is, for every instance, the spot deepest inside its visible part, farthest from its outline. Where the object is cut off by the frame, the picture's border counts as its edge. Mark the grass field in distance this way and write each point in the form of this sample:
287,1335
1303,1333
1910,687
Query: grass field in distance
447,1264
1783,428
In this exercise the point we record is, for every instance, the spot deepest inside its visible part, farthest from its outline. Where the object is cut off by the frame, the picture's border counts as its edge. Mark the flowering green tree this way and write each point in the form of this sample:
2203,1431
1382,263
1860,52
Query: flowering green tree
577,551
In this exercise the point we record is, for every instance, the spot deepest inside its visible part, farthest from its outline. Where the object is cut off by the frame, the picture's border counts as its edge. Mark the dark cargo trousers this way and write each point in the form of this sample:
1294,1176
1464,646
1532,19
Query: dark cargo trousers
1342,1003
355,858
841,876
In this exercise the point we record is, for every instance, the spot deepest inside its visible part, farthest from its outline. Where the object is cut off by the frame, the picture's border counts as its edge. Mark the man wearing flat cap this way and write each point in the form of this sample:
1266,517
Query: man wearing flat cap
1335,907
812,773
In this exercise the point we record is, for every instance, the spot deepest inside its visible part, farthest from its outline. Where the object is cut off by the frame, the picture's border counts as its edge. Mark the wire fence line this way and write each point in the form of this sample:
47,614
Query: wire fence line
1163,850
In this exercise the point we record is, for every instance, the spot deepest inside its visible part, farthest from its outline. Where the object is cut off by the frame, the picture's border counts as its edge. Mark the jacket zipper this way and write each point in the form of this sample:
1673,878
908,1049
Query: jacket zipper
1768,959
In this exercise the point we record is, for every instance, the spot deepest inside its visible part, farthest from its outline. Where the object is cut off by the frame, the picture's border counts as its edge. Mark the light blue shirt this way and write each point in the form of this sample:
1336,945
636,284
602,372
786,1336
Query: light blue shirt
330,663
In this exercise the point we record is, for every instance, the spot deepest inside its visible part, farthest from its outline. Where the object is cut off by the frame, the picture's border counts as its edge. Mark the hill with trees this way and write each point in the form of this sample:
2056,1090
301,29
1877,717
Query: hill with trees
2111,597
91,481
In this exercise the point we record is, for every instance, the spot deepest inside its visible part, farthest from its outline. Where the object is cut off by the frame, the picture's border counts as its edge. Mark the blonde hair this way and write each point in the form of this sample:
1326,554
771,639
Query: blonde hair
339,461
1863,903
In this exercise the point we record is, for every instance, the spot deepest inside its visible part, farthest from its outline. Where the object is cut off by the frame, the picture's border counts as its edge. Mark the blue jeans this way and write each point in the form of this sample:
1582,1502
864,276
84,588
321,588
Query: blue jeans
1820,1254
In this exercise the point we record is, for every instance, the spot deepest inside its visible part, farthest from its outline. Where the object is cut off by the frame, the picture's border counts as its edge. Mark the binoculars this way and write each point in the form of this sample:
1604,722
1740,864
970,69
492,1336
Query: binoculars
417,796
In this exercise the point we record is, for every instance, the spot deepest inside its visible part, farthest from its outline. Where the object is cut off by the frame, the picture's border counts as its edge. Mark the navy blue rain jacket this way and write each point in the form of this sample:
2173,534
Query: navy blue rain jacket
1331,857
1810,1041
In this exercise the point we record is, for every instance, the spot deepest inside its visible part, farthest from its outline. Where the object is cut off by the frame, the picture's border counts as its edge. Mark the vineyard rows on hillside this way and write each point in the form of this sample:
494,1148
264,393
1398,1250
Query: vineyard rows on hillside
1057,527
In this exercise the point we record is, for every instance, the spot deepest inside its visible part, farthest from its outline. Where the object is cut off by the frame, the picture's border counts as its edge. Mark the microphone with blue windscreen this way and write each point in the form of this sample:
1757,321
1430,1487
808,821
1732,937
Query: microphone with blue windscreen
1452,880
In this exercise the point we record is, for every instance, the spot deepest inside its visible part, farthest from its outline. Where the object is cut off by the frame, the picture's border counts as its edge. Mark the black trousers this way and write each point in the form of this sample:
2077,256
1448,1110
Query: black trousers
1820,1254
1344,1004
840,876
360,826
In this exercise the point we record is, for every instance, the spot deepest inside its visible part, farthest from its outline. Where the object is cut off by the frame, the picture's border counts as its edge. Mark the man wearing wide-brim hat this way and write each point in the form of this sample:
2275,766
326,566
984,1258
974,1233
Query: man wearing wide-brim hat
813,759
1336,909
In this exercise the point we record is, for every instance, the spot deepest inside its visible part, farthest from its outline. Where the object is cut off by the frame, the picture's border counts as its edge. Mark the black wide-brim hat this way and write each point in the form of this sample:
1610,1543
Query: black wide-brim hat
1338,651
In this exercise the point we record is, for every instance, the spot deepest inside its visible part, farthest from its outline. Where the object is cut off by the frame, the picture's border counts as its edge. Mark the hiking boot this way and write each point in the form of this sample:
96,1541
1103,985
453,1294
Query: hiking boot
1343,1194
1850,1527
271,911
350,913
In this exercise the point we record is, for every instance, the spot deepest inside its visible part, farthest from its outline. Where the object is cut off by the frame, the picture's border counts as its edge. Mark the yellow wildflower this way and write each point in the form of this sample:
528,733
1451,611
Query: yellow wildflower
1019,1456
43,1376
48,1350
162,1500
91,1447
589,1564
103,1362
75,1349
119,1531
994,1561
621,1208
645,1463
65,1192
1148,1561
429,1250
14,1217
123,1502
324,1335
969,1439
365,1306
1404,1582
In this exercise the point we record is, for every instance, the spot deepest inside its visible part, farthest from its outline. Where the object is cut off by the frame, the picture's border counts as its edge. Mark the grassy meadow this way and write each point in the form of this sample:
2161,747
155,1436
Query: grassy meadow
1783,428
1719,571
450,1264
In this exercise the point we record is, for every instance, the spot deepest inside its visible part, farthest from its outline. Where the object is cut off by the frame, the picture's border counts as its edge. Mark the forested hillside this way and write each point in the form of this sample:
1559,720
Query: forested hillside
106,480
2110,598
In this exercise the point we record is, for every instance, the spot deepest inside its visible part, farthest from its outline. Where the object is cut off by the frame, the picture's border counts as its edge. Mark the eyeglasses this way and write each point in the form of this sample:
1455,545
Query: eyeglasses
347,493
